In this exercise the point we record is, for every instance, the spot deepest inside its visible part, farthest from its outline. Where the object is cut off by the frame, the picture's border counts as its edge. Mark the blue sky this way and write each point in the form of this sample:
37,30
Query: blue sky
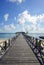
22,15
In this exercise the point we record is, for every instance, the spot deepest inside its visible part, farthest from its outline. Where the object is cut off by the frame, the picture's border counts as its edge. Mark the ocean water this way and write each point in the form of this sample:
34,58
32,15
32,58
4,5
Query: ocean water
36,35
10,35
6,35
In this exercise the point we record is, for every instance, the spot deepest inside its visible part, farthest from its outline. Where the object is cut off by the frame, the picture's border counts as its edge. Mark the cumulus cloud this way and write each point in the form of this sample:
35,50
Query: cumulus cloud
41,17
20,1
6,17
9,27
17,1
30,28
21,21
26,17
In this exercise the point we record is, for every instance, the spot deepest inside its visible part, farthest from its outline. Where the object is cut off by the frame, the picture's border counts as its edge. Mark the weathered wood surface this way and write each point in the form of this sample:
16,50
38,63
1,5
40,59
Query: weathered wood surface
19,54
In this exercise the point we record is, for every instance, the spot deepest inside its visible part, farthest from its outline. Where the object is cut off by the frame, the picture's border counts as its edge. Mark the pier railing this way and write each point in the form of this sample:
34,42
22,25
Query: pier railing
5,45
37,46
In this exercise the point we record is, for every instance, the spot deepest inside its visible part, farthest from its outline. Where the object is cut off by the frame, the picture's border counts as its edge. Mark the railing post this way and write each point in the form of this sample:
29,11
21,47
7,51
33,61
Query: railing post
5,45
36,45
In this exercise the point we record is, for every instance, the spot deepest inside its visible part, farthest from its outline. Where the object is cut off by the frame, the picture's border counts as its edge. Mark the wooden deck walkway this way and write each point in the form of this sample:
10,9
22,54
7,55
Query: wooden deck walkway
19,54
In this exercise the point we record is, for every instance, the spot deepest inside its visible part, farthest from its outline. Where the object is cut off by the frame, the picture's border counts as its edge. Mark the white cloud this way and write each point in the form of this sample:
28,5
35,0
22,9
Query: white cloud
26,17
20,1
30,28
33,20
21,21
6,17
17,1
9,27
41,17
33,29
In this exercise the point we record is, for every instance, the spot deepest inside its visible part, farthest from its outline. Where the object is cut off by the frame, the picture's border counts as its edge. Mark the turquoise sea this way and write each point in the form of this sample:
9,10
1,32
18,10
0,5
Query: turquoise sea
10,35
6,35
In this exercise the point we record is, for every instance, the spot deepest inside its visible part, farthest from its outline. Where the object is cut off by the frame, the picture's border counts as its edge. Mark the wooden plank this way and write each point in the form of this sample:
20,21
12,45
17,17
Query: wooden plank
20,53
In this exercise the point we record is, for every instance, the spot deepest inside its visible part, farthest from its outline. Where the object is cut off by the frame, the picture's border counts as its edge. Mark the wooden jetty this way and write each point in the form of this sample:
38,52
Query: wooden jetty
19,53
